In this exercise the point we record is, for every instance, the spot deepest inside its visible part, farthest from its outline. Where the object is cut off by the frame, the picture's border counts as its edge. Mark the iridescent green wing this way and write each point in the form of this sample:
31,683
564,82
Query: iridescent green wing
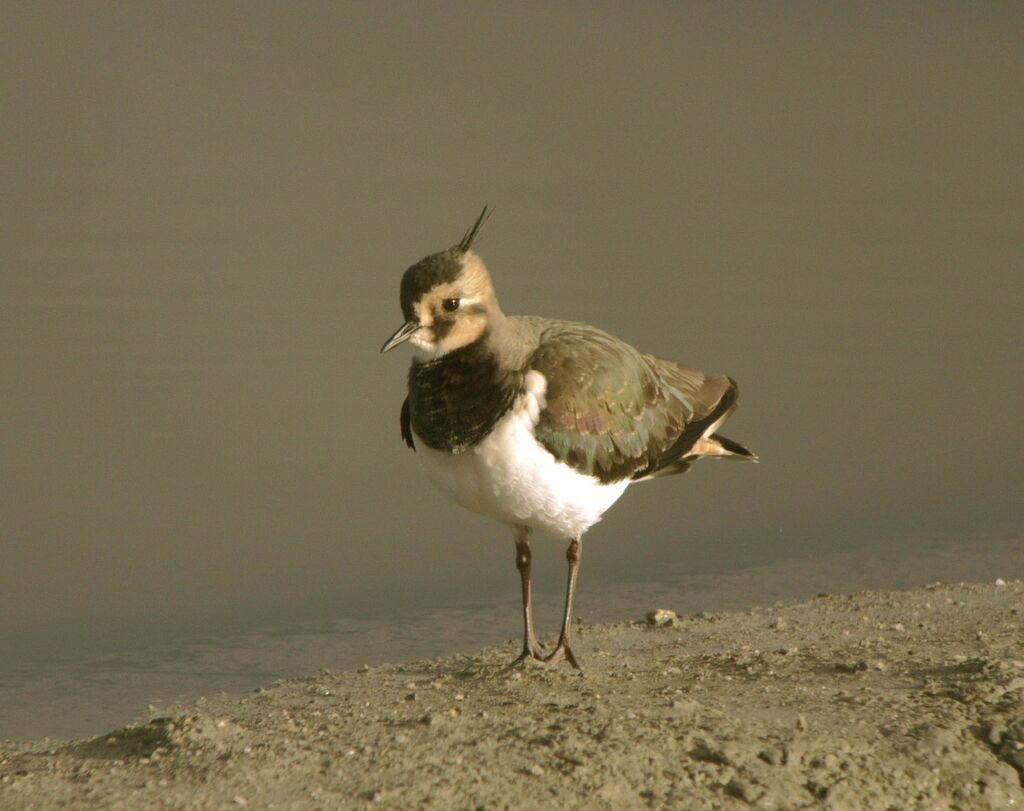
612,412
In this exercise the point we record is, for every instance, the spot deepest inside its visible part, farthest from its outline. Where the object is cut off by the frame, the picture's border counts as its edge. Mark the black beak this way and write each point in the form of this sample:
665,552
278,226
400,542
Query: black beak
403,334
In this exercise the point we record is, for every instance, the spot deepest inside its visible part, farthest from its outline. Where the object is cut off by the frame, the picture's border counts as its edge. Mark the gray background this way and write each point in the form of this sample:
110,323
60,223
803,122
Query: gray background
206,209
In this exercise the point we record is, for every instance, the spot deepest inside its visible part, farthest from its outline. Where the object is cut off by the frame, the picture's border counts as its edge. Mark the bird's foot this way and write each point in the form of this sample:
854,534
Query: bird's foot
530,651
562,651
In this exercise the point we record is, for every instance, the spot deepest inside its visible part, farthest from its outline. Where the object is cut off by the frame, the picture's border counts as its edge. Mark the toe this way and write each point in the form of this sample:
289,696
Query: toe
563,652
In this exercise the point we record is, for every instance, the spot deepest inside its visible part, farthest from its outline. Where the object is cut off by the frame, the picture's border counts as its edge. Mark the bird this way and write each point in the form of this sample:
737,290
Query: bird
540,423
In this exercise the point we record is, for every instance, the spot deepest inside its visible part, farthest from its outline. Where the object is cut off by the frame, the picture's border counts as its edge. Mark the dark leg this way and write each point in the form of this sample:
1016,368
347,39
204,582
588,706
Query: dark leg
563,650
531,648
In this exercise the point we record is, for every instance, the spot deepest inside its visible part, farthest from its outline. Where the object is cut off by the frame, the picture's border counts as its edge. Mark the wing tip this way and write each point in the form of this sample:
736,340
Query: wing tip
734,449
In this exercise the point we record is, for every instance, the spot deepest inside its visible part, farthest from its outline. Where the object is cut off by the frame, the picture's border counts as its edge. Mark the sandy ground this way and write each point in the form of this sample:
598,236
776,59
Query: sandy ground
877,700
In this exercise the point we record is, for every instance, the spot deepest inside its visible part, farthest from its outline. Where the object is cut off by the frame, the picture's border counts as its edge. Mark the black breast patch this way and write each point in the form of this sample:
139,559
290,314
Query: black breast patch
405,420
456,400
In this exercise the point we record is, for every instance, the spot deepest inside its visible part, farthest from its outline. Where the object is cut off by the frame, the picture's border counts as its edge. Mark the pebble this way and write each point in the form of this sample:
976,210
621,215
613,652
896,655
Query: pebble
996,731
748,792
238,799
536,770
661,618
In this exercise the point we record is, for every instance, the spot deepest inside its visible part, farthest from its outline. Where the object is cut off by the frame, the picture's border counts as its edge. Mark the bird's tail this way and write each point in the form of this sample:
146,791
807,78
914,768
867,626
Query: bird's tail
722,447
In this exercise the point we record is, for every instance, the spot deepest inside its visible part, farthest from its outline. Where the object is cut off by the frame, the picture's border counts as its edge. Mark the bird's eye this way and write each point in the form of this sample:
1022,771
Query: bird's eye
450,304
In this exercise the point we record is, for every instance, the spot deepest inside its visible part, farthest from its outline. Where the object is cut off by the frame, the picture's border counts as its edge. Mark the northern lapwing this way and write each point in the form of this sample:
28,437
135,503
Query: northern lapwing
538,423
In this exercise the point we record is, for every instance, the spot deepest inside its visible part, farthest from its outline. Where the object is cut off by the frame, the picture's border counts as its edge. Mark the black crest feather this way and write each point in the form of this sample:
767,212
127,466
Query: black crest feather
467,240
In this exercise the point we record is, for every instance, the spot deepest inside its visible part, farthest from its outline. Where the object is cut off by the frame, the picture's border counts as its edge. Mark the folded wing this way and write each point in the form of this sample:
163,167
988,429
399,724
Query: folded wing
615,413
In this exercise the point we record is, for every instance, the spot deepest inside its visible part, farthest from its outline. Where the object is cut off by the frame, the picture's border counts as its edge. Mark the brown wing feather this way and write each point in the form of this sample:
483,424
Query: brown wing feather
676,457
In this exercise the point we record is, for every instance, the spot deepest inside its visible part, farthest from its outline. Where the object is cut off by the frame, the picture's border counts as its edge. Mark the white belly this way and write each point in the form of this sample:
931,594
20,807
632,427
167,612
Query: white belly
511,477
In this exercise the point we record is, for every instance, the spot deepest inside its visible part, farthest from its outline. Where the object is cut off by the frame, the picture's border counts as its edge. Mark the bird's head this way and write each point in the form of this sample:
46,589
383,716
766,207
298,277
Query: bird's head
447,300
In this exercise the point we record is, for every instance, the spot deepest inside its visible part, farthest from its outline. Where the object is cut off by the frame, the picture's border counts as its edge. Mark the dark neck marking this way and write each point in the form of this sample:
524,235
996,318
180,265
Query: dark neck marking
456,400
